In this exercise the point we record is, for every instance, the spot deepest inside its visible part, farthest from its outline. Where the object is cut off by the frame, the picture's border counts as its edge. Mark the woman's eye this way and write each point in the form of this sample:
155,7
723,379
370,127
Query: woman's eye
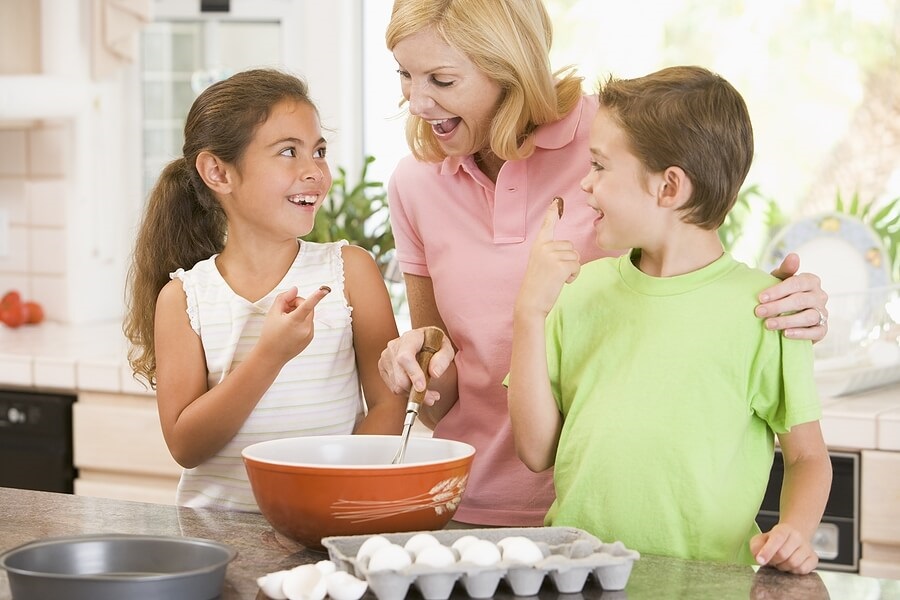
403,74
440,83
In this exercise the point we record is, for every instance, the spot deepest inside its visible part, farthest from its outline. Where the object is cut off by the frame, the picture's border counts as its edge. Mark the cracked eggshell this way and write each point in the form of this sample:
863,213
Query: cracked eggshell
481,552
438,556
271,583
344,586
392,557
305,582
419,542
520,549
368,548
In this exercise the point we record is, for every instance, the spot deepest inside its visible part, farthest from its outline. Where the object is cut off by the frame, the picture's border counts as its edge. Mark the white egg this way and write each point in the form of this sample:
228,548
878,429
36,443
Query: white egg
305,582
520,549
419,542
436,556
271,585
344,586
460,544
392,557
369,547
481,552
326,567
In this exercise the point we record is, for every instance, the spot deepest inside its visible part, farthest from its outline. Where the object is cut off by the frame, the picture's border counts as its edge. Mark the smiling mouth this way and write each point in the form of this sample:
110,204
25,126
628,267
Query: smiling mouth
303,200
445,126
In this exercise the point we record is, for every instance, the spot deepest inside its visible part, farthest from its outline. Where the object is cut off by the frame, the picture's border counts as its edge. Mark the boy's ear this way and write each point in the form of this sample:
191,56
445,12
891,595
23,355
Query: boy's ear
675,188
214,172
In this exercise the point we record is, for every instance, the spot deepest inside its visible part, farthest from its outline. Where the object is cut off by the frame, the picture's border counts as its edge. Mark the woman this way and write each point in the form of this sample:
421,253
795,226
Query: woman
495,136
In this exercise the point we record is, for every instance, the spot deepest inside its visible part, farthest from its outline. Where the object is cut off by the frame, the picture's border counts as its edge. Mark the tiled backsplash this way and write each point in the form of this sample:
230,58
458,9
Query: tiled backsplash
35,177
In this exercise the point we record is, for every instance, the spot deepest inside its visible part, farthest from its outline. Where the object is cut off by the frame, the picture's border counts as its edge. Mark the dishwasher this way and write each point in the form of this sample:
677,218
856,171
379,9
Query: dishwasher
36,441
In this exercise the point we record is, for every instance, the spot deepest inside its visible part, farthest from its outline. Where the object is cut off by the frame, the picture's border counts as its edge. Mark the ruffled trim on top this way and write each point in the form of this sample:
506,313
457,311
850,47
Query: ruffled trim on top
187,283
336,248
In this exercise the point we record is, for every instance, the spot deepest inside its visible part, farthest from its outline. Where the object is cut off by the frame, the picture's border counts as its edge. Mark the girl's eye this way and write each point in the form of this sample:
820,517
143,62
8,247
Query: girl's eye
289,152
320,152
596,166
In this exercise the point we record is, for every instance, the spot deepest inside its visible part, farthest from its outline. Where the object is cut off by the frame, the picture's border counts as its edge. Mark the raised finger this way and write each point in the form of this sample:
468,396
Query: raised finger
308,305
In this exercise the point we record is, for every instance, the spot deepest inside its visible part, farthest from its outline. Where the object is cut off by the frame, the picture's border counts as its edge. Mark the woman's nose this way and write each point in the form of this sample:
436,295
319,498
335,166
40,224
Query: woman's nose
419,101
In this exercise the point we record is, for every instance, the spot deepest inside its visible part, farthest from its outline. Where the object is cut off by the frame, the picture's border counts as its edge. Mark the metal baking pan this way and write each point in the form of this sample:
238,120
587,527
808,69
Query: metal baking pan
116,566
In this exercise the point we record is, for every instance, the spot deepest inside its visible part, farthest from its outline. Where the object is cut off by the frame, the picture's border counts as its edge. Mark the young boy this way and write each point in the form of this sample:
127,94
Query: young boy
648,383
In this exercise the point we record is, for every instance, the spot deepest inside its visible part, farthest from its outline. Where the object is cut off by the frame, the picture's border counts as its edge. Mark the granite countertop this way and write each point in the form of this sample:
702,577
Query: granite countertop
27,515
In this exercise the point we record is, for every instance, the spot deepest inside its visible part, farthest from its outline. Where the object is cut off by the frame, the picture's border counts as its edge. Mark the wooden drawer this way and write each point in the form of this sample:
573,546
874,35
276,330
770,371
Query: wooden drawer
880,561
880,498
157,490
120,433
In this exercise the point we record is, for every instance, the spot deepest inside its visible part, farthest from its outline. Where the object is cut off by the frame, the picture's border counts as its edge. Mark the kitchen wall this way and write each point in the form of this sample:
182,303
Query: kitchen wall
69,195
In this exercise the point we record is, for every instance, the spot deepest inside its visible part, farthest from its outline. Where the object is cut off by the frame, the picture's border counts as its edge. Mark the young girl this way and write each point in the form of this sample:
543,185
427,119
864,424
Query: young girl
246,332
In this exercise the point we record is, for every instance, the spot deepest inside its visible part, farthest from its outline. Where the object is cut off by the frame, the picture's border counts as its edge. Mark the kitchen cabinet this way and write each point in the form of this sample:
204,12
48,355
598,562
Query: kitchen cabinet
119,449
880,527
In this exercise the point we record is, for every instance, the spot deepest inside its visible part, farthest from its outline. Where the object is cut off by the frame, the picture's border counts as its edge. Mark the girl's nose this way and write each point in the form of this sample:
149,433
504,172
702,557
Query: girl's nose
311,170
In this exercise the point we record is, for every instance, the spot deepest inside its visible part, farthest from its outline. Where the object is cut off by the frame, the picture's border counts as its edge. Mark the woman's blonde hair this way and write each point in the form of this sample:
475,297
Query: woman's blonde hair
184,222
508,40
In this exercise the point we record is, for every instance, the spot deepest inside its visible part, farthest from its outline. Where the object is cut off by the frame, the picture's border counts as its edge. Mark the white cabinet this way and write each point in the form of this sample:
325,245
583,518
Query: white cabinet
119,449
880,514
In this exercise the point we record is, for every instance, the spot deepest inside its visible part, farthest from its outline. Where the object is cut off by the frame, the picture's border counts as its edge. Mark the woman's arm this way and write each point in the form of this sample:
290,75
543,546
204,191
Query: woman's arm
398,365
197,422
373,328
804,492
797,304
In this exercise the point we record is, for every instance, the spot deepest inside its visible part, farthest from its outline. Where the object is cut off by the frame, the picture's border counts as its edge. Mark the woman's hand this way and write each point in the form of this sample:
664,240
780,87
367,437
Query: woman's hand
797,304
400,370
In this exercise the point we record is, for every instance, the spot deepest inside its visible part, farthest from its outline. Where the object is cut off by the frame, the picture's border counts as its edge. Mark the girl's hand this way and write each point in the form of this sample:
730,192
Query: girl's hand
550,264
288,328
400,370
784,548
799,295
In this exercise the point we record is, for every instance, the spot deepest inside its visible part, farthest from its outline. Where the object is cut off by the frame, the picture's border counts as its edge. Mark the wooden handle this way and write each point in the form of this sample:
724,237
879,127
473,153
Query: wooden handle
432,343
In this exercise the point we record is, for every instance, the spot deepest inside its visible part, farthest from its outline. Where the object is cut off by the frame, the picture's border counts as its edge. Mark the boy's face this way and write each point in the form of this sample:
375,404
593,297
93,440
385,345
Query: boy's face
619,188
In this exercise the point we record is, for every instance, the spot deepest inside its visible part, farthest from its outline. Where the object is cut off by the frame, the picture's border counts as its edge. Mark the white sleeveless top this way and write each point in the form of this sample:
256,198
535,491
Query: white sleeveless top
317,392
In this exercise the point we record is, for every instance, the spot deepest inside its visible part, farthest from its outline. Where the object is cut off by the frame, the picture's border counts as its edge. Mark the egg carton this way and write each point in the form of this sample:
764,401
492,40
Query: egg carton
570,556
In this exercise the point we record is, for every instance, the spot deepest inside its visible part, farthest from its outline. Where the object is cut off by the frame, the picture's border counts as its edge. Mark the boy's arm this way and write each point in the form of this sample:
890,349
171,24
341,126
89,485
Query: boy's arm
807,483
535,418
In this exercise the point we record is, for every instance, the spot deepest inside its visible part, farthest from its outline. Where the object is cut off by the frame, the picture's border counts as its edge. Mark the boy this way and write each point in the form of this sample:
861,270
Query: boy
648,384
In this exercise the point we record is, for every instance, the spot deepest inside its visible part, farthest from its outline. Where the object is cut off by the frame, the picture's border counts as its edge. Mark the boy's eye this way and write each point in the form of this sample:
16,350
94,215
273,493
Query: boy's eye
596,166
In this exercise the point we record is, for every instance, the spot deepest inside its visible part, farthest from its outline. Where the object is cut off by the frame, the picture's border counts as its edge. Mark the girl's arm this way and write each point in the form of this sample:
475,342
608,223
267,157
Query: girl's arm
197,422
398,365
807,483
797,304
373,328
536,420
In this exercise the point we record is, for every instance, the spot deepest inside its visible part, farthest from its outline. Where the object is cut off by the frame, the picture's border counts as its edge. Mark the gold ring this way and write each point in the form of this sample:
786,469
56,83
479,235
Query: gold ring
822,318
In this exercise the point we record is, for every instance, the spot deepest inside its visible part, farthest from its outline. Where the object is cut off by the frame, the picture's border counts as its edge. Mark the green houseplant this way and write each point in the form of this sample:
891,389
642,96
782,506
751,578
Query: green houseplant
357,213
884,221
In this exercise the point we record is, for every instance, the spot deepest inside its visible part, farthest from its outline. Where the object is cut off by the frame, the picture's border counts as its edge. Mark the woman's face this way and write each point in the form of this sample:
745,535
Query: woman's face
446,89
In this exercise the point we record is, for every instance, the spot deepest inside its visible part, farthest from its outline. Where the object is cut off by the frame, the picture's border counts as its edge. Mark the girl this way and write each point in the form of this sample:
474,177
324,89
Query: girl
263,336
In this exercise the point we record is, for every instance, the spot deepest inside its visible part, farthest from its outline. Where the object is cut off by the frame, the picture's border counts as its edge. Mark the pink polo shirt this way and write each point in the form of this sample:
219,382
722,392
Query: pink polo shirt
472,237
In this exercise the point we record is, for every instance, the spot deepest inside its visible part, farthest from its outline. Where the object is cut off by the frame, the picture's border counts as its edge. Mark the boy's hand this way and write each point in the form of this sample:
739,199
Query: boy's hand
784,548
288,328
550,264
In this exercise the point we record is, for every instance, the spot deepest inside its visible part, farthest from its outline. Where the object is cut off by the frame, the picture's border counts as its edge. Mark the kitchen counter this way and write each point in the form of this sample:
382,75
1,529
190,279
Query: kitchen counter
27,515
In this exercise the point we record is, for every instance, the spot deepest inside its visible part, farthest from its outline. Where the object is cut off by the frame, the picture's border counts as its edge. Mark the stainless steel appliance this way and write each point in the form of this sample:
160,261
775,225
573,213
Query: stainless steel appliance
837,539
36,441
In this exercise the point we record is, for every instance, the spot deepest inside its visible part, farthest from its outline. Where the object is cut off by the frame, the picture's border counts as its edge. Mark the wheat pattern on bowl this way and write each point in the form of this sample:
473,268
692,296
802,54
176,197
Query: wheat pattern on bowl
443,498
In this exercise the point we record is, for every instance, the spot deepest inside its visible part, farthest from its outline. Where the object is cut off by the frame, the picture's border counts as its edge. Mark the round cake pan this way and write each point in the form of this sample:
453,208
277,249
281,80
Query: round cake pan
103,567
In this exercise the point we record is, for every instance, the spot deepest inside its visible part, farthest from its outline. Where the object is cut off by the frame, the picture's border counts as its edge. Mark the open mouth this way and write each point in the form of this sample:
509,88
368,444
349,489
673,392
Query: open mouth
303,200
445,126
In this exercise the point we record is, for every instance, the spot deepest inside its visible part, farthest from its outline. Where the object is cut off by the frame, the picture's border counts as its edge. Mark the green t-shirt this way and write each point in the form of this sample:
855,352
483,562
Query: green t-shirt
670,389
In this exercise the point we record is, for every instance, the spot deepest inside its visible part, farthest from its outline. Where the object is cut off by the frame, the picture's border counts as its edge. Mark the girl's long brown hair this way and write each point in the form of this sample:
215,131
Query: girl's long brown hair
184,222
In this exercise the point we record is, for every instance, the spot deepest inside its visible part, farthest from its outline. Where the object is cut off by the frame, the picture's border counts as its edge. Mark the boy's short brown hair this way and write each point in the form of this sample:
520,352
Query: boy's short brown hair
691,118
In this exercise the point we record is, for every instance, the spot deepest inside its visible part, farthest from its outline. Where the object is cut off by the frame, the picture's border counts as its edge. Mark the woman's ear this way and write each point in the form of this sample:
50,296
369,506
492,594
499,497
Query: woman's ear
214,172
675,188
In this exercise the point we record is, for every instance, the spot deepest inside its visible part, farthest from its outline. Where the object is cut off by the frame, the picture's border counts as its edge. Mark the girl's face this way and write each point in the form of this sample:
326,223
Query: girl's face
446,89
283,177
620,189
